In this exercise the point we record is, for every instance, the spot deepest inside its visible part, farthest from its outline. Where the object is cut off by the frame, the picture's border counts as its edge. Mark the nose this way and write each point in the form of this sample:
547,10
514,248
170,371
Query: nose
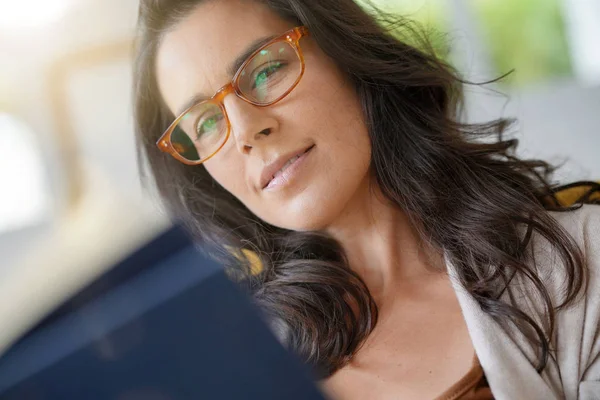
250,125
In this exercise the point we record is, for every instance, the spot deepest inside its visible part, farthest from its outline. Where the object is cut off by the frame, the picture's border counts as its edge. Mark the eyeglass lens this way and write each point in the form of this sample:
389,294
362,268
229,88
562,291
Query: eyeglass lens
265,79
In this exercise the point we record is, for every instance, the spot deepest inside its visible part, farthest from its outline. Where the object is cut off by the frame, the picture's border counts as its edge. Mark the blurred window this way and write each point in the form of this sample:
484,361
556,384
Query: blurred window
27,14
25,197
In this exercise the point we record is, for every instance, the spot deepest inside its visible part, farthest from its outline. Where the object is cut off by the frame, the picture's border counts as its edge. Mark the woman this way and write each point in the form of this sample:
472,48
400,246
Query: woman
400,255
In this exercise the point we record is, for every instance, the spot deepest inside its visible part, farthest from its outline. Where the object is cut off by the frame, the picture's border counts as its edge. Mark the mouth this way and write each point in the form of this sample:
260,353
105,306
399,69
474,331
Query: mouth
283,169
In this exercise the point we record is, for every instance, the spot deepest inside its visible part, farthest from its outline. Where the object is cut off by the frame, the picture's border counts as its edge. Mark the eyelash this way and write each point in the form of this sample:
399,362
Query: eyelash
280,63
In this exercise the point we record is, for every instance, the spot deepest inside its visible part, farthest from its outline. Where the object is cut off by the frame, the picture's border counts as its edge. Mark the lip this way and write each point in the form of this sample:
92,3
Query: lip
267,173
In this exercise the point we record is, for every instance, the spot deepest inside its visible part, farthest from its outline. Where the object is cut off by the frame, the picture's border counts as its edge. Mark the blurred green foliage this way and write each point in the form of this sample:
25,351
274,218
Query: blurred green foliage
525,35
430,17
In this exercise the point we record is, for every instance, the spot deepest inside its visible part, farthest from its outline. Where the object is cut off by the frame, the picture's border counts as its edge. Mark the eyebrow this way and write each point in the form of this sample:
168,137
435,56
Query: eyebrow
231,69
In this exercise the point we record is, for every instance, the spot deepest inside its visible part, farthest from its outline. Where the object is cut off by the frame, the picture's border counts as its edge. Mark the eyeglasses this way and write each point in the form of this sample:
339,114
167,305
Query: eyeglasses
266,77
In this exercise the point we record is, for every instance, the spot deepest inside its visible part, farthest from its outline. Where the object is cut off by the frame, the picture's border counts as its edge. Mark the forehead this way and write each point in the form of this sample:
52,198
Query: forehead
194,55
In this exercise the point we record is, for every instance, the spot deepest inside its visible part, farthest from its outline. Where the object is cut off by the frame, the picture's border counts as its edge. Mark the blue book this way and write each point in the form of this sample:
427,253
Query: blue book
165,323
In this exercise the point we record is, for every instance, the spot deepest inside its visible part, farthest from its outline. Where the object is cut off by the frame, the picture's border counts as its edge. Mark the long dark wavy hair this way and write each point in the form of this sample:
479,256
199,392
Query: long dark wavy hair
471,197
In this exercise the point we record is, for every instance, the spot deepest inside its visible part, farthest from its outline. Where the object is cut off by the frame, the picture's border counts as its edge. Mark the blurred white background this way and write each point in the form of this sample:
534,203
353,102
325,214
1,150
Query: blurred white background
65,83
68,170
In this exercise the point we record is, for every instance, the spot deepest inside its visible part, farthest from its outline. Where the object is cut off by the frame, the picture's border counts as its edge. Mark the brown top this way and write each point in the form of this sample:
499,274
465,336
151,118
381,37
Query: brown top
472,386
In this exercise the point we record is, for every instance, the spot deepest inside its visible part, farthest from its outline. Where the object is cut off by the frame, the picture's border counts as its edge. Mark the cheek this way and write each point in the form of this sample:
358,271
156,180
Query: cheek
228,172
231,175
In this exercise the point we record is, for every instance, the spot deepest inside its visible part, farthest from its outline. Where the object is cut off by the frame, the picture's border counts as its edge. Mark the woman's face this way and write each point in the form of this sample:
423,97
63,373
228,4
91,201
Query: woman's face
322,113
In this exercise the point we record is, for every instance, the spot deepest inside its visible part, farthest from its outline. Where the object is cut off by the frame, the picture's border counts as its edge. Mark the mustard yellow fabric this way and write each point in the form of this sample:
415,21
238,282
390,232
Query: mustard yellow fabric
569,196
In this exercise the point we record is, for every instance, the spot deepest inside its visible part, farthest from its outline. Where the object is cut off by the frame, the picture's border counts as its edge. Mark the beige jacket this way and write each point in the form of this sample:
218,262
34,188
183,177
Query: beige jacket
508,358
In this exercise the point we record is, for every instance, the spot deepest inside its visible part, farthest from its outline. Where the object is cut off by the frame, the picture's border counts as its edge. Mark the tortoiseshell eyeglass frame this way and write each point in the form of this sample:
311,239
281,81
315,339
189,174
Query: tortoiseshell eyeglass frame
292,37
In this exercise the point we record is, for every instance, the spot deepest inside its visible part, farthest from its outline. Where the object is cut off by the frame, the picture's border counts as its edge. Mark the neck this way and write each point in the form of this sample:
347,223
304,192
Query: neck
383,247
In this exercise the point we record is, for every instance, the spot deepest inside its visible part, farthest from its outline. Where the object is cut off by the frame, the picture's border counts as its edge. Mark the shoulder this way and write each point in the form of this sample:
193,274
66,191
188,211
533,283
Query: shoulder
583,225
578,325
577,322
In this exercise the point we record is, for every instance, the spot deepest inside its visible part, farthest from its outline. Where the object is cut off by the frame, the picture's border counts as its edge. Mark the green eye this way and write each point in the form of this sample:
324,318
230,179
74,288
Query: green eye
207,126
264,74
